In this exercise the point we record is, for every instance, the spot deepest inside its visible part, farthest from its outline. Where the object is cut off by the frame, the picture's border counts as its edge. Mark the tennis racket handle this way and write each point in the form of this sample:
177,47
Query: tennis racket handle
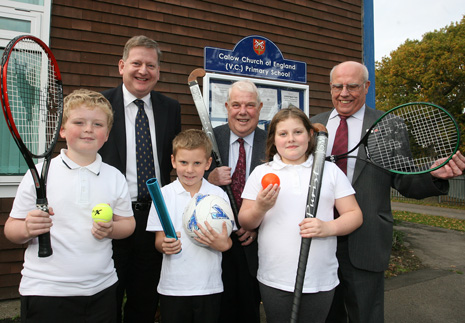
45,246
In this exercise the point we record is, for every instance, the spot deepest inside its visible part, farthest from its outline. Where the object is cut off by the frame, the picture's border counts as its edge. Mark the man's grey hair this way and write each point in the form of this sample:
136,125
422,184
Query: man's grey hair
246,86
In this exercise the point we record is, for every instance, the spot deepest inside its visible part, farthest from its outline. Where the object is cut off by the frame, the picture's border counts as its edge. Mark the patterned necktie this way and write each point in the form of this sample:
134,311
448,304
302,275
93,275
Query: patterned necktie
238,178
340,143
144,152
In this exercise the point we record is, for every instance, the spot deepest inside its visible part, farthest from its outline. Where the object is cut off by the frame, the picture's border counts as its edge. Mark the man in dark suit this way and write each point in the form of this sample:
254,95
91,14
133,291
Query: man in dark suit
241,298
364,254
137,261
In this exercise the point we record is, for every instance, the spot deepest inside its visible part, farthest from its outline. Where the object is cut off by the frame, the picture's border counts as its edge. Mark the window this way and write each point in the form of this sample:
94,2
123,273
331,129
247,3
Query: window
18,17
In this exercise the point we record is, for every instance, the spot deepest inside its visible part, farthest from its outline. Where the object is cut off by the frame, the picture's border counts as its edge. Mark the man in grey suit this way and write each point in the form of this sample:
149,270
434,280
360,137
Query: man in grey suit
137,262
364,254
241,297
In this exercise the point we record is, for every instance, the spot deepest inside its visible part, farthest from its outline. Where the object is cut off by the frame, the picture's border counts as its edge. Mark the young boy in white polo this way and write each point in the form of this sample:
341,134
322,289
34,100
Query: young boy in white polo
190,284
78,281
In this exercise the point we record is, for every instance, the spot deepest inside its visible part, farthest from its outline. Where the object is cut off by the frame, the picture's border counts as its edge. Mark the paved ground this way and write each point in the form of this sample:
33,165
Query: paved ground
437,293
9,309
434,294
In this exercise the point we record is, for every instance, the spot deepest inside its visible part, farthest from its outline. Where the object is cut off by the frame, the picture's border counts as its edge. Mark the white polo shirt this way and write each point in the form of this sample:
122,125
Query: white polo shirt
279,233
195,270
81,265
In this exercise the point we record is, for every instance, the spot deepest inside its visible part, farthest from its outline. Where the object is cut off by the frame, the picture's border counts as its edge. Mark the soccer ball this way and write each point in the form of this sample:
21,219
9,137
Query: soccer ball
211,208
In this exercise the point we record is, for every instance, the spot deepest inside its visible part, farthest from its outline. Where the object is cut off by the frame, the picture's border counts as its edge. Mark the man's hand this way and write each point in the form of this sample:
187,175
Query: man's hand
452,169
220,176
246,237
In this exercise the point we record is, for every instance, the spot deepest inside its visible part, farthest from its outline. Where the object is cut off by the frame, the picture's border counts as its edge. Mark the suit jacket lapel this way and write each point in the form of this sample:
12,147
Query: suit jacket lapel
223,144
120,124
259,140
160,126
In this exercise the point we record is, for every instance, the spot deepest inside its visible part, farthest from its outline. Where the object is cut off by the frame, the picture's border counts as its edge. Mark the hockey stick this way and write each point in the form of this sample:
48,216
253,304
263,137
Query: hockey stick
207,127
313,197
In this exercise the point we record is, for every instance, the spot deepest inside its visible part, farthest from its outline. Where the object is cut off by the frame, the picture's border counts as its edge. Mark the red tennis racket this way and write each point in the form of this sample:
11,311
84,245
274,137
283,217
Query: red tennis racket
32,102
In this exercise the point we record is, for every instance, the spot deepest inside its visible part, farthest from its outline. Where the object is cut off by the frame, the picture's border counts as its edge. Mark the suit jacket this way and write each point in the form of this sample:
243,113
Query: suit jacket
222,136
370,245
167,116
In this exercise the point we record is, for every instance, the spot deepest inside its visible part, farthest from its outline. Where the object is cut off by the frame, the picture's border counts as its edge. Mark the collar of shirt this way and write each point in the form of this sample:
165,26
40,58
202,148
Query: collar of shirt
234,151
358,115
248,139
129,98
93,168
279,164
355,125
179,189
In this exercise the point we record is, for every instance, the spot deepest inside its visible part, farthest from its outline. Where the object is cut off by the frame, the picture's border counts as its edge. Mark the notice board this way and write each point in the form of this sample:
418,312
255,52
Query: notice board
275,95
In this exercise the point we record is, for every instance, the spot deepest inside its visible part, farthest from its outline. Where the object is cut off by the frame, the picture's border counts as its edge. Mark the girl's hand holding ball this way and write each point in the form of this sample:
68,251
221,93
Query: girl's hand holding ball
270,178
267,197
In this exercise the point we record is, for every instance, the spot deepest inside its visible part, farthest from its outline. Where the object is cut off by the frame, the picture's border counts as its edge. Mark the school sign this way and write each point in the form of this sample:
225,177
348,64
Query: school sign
255,56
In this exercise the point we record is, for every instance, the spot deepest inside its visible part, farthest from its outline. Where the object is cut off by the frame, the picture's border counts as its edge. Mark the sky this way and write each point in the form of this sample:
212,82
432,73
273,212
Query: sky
396,21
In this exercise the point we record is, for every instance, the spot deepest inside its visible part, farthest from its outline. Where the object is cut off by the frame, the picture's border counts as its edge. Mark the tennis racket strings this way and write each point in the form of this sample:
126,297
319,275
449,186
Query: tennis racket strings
34,96
412,137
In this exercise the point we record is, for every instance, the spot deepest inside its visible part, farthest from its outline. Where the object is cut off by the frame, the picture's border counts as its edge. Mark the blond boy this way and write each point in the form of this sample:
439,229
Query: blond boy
79,280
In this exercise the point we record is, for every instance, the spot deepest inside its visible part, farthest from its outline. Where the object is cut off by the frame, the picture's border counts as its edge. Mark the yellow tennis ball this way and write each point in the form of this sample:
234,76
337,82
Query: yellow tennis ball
102,213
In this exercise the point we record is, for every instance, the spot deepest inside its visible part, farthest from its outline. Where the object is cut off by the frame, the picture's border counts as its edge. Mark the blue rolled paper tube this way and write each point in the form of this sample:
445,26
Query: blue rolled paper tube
160,206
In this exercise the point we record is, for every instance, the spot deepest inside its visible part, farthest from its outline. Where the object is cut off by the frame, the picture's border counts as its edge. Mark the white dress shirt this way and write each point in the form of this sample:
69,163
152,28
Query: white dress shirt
354,125
130,112
234,152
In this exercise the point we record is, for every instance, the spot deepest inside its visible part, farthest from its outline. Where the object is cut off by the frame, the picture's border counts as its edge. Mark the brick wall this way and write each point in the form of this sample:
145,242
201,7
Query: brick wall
87,37
11,257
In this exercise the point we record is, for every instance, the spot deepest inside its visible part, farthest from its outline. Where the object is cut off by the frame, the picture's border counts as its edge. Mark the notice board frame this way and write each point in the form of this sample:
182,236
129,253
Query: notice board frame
275,95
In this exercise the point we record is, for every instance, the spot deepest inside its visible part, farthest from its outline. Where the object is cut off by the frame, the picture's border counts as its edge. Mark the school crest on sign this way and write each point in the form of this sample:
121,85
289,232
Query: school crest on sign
259,46
255,56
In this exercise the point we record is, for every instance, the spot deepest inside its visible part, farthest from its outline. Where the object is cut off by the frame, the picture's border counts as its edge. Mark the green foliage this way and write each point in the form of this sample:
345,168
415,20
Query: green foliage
444,204
397,239
402,260
427,70
431,220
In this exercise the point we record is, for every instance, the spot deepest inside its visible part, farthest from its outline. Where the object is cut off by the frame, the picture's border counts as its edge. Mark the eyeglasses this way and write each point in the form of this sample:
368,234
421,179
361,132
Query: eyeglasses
353,87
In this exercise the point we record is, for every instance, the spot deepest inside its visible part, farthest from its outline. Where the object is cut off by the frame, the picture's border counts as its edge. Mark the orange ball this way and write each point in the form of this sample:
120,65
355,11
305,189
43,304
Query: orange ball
270,178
